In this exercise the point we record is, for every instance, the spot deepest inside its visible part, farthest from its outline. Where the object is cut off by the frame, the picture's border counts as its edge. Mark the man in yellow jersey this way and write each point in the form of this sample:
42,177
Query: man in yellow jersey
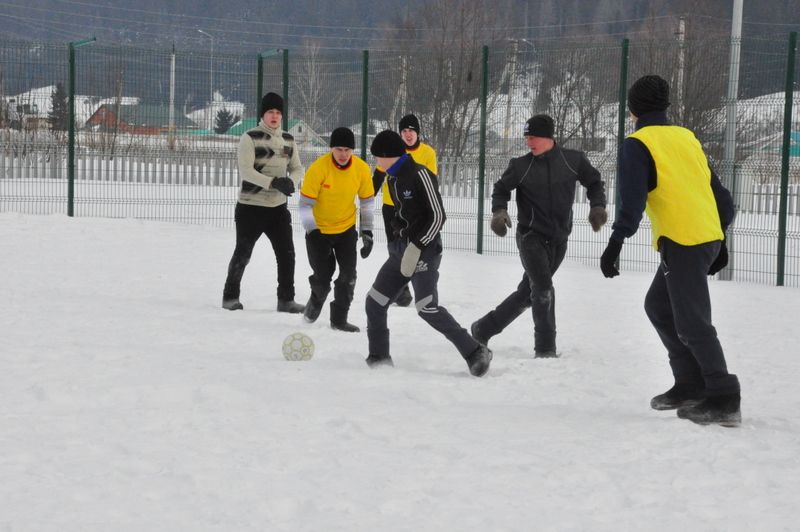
664,171
269,170
328,213
423,154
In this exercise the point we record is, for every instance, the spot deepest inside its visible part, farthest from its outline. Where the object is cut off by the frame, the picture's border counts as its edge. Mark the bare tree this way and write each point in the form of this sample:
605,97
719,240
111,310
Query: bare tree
312,89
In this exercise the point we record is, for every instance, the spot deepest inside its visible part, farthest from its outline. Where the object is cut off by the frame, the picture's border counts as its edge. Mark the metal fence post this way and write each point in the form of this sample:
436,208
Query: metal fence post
365,106
482,150
260,79
71,142
787,132
285,89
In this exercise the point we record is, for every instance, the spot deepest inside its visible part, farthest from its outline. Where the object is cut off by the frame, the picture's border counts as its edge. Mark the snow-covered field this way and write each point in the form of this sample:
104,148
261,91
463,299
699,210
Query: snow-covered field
132,402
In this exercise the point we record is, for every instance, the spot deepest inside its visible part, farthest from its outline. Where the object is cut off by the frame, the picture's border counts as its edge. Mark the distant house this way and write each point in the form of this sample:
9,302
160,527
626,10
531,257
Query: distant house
297,128
138,119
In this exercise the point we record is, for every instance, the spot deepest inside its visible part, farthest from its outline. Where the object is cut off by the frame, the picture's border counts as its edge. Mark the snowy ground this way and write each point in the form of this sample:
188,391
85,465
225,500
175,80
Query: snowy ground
132,402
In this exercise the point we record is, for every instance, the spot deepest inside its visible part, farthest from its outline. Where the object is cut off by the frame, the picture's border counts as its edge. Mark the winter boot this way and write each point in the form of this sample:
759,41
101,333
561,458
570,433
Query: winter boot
376,361
312,309
232,304
405,298
478,331
547,353
339,319
479,360
290,306
682,394
718,409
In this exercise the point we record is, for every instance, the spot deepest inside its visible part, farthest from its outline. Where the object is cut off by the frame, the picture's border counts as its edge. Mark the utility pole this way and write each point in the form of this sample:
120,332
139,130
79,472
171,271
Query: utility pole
681,68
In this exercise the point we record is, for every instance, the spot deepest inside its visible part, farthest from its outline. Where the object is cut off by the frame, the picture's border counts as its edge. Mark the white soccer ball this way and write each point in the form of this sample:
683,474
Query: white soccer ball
298,346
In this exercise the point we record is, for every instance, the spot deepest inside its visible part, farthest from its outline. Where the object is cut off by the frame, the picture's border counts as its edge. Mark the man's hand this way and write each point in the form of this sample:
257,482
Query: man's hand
283,184
721,261
408,264
500,221
598,216
609,258
366,243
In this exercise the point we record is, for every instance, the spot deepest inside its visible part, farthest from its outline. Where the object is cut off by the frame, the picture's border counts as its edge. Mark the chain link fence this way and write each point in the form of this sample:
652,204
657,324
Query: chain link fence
155,132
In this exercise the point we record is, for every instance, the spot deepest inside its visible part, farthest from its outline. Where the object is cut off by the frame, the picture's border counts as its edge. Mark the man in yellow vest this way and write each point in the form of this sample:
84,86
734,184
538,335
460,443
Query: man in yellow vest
328,212
664,171
423,154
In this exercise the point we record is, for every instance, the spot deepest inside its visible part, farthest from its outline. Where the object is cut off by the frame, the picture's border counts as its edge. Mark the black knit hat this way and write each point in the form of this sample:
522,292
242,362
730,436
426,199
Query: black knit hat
540,126
271,101
409,122
388,143
342,137
649,93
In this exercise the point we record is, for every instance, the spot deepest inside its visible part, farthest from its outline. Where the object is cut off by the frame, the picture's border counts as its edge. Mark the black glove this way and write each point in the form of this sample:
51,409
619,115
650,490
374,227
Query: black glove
609,258
597,217
721,261
283,184
377,179
366,241
500,221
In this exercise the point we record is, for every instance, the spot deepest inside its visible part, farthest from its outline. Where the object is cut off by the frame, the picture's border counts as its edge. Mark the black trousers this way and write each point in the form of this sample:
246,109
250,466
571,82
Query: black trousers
251,222
388,285
325,251
679,307
540,259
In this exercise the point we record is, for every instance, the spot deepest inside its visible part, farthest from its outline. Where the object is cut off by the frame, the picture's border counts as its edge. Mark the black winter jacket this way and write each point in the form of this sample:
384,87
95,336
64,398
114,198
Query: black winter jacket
419,211
545,187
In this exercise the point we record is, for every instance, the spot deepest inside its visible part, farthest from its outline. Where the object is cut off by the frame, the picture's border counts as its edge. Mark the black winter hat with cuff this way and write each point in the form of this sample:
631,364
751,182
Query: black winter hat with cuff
409,122
271,101
540,126
647,94
388,143
342,137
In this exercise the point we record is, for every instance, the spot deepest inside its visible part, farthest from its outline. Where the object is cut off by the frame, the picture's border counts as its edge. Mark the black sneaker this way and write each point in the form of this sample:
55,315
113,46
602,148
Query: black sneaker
291,307
346,327
405,298
376,361
678,396
475,331
719,409
312,310
547,353
232,304
478,361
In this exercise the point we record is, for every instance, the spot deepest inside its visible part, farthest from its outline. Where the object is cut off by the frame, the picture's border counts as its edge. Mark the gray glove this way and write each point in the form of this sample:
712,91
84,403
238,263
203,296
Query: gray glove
597,217
500,221
408,264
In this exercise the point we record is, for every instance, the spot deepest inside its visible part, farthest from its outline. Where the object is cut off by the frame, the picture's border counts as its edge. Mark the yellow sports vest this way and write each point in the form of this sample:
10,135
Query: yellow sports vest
422,154
335,190
682,207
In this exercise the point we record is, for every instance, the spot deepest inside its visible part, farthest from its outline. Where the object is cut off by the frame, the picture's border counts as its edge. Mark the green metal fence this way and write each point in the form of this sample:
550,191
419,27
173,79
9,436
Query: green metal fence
155,132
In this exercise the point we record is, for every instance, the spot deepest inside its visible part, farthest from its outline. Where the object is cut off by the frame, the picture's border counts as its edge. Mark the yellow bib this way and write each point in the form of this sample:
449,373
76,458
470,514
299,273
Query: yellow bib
682,207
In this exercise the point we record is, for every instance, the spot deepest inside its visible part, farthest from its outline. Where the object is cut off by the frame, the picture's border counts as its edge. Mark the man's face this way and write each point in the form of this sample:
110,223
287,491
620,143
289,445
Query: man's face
539,145
273,118
342,155
409,136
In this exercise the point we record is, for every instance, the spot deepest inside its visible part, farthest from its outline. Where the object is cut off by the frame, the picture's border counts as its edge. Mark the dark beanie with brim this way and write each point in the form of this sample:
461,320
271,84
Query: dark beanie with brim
342,137
388,143
648,94
271,101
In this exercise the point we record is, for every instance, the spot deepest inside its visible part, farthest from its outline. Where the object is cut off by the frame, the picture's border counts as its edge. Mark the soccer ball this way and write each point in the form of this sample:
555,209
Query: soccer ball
298,346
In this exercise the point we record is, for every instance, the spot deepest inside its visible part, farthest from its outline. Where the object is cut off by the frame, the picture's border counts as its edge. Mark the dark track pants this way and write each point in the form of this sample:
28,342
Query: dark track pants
540,258
325,251
679,307
388,284
251,222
